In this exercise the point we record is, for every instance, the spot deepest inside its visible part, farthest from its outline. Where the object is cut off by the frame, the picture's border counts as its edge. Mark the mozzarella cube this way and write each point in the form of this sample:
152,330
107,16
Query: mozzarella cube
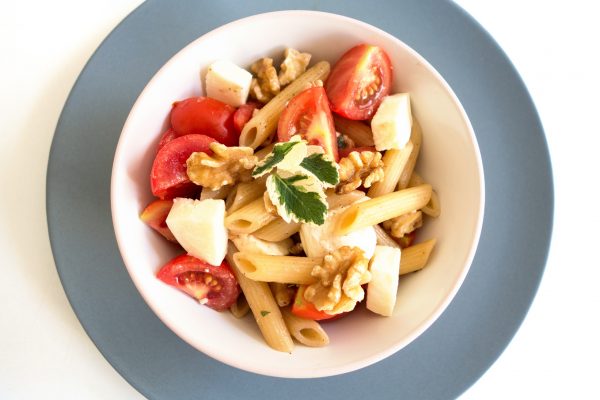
383,287
228,83
199,227
392,122
319,240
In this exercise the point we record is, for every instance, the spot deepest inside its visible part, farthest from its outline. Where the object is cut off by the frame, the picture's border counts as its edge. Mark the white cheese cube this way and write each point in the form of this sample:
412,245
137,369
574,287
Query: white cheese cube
319,240
199,227
228,83
392,122
383,287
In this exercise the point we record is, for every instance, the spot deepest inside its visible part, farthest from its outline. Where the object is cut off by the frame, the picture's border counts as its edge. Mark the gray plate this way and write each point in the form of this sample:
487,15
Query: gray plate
441,363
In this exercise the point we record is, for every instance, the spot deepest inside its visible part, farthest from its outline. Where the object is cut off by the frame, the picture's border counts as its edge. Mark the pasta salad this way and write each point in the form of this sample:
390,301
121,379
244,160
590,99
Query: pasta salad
293,193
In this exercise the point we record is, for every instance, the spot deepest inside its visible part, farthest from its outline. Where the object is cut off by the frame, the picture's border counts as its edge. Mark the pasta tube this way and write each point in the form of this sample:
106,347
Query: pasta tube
264,308
240,308
394,162
416,137
415,257
282,269
249,218
264,123
379,209
359,132
433,208
244,193
335,200
305,331
277,230
282,292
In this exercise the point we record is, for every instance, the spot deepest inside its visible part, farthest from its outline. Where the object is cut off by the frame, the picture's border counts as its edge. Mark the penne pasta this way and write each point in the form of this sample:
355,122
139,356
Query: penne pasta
277,230
415,257
264,123
305,331
243,193
240,308
282,269
416,138
335,200
379,209
433,208
282,292
249,218
359,132
264,308
394,162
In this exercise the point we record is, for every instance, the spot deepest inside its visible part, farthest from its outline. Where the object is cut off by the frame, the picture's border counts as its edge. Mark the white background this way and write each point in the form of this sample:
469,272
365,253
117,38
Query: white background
44,352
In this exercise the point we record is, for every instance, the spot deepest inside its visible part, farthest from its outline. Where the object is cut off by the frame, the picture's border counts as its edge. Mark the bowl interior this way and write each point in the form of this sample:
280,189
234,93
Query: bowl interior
449,160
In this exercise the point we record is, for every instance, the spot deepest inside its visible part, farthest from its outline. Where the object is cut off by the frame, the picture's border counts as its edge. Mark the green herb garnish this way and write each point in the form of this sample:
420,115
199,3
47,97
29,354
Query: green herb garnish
294,200
322,169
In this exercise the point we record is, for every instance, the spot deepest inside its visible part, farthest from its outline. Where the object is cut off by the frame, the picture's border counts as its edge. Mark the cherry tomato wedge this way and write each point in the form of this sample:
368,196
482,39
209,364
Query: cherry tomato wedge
216,287
168,178
359,81
242,115
166,137
205,116
308,115
155,216
305,309
345,152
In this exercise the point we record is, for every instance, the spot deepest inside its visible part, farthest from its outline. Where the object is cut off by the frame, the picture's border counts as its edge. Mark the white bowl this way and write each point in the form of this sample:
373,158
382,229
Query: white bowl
449,160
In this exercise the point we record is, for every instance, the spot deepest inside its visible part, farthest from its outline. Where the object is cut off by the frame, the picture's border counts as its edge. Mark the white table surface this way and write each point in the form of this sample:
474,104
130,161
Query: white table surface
44,352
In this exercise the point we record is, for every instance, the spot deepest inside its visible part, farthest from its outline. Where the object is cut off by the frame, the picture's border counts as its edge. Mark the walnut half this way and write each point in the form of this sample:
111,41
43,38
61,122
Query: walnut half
338,288
226,166
360,168
265,85
293,65
404,224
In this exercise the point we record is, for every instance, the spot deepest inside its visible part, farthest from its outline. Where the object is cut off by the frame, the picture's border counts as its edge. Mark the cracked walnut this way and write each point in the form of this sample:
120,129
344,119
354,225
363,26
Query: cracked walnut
360,168
226,166
339,279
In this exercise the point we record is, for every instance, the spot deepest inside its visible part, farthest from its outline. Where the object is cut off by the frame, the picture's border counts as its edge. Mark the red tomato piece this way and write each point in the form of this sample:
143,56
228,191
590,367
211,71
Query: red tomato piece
242,115
155,216
215,287
308,115
305,309
346,152
168,178
166,137
205,116
359,81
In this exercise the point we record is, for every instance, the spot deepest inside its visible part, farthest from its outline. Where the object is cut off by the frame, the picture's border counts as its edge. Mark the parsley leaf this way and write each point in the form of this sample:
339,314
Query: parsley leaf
264,313
277,155
323,169
294,201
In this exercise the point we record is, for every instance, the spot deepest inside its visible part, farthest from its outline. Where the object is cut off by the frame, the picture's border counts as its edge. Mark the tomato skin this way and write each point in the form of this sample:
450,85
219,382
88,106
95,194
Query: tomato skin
205,116
346,152
168,178
242,115
166,137
308,114
305,309
188,274
155,216
359,68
